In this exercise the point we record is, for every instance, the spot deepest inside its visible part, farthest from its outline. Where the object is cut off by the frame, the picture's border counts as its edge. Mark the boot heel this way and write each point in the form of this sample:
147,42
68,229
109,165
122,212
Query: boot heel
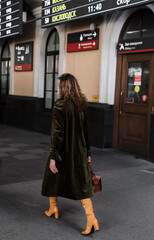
92,229
56,214
96,226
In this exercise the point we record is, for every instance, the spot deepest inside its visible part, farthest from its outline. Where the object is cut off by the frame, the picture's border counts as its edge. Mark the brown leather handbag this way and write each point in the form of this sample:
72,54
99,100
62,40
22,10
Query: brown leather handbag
96,181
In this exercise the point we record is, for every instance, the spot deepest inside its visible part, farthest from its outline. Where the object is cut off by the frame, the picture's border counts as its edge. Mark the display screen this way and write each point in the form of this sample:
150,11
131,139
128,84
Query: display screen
10,17
59,11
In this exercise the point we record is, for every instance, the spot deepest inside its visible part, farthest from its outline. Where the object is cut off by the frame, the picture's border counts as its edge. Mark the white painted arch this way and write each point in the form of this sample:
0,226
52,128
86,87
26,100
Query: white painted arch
11,46
40,49
112,26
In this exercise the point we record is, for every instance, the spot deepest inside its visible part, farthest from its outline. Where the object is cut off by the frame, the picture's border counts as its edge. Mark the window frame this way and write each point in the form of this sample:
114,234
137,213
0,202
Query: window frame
53,53
8,60
142,12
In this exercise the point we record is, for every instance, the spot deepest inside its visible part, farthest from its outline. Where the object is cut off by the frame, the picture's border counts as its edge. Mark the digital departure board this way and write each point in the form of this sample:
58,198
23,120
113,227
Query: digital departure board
10,17
60,11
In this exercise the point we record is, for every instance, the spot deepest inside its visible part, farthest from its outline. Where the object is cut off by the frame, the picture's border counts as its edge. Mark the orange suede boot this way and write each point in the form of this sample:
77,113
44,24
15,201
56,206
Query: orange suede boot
53,208
92,223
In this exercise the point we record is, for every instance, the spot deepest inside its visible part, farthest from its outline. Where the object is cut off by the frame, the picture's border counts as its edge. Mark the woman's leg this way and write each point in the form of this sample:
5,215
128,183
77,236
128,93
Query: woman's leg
53,207
92,223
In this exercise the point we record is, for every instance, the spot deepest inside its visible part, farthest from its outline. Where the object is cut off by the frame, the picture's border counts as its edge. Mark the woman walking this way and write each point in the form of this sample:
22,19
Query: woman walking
67,172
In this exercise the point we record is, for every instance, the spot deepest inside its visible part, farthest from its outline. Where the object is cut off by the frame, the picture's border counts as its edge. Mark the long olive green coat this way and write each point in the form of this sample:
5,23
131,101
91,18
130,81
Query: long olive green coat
69,148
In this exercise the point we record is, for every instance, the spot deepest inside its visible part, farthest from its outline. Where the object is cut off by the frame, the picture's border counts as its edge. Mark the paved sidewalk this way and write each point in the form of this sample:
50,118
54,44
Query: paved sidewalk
125,208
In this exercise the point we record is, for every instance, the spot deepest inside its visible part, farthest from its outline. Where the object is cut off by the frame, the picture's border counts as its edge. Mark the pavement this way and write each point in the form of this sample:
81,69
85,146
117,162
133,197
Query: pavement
124,209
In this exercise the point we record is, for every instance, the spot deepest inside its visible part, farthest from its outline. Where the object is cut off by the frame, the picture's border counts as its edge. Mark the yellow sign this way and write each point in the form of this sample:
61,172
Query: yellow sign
137,89
95,98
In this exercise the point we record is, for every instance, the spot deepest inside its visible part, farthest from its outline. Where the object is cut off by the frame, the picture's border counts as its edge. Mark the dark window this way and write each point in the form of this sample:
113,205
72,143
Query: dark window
139,25
5,72
51,69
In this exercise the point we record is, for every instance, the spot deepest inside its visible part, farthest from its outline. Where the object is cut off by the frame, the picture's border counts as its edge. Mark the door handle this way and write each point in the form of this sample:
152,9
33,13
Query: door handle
121,113
121,93
121,99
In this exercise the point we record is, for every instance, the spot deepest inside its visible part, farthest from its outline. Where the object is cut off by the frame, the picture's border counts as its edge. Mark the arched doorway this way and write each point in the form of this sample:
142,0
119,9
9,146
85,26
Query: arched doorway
134,83
51,69
5,72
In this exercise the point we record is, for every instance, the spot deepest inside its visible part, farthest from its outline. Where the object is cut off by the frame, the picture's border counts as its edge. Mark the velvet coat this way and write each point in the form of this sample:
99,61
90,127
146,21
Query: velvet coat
69,148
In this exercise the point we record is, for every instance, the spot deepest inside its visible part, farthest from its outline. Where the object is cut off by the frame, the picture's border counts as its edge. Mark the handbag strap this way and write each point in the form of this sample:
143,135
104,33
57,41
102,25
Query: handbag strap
91,170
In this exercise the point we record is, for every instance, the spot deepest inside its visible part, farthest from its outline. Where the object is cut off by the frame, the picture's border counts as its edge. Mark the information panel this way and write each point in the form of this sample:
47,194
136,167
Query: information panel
59,11
136,45
24,57
10,17
83,41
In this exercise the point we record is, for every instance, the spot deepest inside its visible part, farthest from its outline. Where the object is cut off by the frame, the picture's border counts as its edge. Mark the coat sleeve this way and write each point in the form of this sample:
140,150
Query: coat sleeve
86,133
57,131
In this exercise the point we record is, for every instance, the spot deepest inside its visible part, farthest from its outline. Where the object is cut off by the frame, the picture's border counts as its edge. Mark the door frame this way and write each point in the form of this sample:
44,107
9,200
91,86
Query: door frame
53,53
117,101
117,98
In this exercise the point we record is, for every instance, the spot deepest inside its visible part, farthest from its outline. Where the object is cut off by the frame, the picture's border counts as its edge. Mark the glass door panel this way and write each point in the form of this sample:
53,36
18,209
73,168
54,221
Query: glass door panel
138,82
48,99
4,81
49,82
50,64
4,67
52,69
57,64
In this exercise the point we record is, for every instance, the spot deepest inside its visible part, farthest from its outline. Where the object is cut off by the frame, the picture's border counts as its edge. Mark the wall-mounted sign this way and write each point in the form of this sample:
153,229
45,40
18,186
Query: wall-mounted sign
59,11
24,57
136,45
83,41
10,17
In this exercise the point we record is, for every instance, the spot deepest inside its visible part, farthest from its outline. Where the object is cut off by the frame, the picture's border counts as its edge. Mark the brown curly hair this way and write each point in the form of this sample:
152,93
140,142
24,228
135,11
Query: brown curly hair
70,89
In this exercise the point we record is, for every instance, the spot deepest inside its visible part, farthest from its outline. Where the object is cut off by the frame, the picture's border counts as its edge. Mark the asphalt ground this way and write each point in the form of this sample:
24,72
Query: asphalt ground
124,209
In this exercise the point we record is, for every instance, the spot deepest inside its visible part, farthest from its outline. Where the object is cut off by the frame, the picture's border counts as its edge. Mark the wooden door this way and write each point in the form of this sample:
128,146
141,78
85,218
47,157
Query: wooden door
135,102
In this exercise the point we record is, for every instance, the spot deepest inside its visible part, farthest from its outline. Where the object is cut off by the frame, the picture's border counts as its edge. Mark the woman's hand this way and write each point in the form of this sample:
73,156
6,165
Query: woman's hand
89,160
52,166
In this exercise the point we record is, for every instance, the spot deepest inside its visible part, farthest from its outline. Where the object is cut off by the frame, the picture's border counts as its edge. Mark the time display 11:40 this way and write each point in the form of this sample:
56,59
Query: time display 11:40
94,8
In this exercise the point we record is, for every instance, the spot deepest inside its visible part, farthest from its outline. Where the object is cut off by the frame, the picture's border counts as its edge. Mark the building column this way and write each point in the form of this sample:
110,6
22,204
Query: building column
112,25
